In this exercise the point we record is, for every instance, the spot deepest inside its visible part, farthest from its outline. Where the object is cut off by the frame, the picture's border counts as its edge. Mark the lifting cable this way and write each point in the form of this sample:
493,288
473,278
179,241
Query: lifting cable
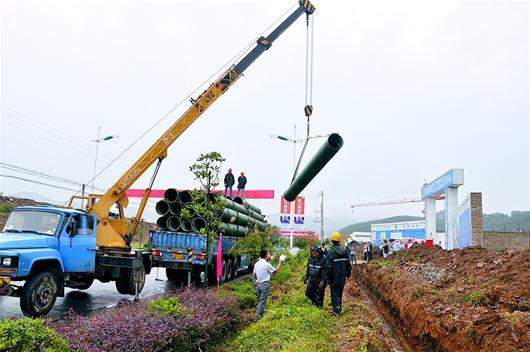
308,108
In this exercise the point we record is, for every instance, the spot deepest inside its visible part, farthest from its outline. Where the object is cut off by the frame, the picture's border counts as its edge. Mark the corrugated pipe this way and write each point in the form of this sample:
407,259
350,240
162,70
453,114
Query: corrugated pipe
162,207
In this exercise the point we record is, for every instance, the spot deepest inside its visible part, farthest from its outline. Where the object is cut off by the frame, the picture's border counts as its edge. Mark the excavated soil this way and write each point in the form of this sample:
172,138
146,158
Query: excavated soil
462,300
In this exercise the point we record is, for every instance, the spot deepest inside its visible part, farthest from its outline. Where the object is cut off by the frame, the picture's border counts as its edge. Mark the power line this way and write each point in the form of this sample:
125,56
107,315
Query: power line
53,130
37,182
41,174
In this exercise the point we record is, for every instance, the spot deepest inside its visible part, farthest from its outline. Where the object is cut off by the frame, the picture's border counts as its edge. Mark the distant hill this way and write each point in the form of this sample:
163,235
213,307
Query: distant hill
516,221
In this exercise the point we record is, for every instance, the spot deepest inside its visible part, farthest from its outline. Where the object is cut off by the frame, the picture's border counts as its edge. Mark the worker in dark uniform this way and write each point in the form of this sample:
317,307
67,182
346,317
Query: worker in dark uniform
338,268
314,277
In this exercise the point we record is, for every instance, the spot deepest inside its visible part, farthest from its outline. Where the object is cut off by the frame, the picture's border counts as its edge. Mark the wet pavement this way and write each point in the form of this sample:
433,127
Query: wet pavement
98,296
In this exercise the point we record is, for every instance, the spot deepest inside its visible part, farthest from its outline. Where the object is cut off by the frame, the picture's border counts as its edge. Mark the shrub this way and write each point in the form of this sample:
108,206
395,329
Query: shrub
167,306
6,207
133,326
25,334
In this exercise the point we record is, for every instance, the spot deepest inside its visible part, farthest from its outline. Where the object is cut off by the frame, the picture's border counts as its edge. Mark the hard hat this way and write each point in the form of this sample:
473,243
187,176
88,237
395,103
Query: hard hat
335,236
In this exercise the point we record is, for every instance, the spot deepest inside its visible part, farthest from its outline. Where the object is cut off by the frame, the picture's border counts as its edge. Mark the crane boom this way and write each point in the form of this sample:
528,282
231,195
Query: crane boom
113,233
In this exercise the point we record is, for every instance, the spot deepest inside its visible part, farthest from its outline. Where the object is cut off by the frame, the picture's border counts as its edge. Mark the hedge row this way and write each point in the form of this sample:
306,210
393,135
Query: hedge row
187,320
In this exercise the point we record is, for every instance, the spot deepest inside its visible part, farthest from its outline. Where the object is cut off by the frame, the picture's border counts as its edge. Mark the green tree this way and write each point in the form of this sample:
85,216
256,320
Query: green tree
206,170
205,204
255,241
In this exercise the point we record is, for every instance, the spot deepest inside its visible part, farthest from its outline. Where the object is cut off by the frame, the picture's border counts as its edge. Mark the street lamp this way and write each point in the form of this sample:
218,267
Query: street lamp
97,141
295,141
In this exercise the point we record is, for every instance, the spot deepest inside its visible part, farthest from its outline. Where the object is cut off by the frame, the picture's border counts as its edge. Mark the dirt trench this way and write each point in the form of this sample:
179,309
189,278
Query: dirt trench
463,300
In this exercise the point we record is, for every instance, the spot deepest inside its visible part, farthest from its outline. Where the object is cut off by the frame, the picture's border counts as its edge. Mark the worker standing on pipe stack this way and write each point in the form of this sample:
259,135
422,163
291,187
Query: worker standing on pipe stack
241,183
338,268
229,182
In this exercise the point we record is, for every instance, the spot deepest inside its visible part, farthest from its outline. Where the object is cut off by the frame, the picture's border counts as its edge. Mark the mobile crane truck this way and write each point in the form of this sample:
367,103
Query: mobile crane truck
50,248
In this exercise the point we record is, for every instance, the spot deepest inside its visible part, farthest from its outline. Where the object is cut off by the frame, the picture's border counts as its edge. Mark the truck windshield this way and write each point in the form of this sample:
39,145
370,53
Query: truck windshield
40,222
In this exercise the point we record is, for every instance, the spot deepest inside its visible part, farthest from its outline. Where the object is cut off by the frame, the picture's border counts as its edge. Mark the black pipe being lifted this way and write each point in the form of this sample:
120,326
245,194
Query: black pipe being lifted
328,150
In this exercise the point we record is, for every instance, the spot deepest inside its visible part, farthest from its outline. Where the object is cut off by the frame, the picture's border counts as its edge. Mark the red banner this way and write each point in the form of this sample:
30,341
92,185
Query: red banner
159,193
285,206
299,205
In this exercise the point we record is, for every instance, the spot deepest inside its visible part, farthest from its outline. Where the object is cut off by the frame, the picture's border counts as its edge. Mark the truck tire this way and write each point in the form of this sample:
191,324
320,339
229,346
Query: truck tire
172,274
127,284
229,269
122,287
223,271
177,276
39,293
234,268
85,283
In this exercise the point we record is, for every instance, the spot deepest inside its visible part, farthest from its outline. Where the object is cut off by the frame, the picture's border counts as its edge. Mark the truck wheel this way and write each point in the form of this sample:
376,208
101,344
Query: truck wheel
39,294
172,274
229,269
122,286
127,284
234,268
137,276
85,283
223,271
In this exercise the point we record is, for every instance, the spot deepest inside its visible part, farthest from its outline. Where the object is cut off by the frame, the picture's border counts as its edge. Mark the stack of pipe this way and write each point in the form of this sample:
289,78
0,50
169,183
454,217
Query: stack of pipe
238,217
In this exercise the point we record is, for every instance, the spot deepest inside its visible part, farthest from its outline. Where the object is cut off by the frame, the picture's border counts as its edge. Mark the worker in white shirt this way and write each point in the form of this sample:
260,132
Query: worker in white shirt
262,277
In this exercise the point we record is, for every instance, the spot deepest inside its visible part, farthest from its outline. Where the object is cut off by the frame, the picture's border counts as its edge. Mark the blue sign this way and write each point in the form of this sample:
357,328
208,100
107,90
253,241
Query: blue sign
452,178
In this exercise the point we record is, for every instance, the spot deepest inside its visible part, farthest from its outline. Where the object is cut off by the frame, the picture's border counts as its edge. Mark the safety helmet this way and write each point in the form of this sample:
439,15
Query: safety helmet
335,236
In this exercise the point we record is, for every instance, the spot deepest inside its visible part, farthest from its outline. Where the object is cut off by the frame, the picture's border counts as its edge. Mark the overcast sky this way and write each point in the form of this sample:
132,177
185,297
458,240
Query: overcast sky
414,88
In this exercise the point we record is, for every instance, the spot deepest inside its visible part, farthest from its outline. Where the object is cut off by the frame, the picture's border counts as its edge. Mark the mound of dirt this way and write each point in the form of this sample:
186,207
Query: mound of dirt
462,300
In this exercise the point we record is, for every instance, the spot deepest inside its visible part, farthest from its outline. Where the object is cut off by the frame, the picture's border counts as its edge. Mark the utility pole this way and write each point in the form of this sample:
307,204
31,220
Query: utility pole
319,217
322,215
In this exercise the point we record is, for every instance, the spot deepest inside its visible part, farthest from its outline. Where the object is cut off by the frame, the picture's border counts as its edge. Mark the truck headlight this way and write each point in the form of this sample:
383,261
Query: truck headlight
6,261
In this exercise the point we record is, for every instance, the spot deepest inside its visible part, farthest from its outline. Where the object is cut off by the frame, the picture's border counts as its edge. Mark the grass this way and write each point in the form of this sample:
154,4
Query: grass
470,280
474,297
388,263
290,322
420,291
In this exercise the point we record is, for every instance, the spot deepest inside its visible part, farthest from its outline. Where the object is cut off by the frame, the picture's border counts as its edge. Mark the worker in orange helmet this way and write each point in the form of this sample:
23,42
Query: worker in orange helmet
338,268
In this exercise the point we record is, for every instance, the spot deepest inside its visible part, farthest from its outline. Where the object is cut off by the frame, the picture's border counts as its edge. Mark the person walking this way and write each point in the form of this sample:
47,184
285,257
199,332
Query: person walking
262,277
338,268
229,182
314,277
241,183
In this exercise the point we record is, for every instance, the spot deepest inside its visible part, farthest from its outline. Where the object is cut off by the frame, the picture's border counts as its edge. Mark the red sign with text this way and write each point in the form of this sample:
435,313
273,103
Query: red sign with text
285,206
299,205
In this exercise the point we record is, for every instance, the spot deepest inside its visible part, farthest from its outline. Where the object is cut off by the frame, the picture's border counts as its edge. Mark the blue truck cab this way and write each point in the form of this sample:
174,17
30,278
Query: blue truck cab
50,248
185,257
